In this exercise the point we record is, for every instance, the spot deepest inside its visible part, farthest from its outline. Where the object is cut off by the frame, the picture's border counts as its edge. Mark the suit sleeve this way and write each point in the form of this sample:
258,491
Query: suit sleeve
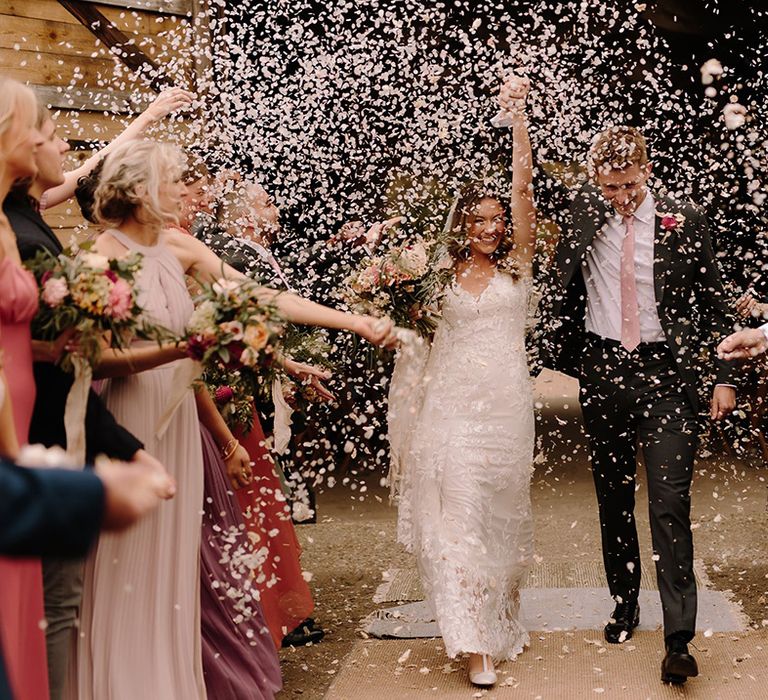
48,512
713,298
104,435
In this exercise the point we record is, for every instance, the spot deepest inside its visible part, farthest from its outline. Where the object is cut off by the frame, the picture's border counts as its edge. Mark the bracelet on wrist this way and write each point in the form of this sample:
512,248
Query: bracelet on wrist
229,449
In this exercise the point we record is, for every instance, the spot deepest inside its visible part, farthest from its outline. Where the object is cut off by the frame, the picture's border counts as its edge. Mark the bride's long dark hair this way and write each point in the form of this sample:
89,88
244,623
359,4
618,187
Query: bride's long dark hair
470,196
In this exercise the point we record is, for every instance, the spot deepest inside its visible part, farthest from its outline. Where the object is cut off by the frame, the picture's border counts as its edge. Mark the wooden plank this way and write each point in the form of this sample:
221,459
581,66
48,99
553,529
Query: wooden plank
120,44
128,21
48,37
167,7
49,69
125,20
89,125
93,99
58,39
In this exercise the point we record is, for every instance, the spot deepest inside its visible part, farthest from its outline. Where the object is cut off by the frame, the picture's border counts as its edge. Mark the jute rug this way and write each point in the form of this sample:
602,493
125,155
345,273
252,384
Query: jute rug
559,665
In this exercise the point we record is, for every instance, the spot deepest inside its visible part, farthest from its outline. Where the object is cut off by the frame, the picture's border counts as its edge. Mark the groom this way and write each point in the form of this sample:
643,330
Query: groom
635,294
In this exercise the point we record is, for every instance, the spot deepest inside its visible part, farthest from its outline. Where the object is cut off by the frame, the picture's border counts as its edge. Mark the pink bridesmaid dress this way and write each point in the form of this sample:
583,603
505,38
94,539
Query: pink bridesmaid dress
21,581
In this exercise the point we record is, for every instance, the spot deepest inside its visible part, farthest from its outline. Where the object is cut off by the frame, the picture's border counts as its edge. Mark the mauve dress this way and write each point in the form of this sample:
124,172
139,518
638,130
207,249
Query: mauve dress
21,580
140,626
240,661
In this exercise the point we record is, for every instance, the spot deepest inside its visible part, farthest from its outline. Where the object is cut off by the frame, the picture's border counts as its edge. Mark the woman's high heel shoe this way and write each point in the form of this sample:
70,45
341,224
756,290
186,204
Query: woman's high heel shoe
486,677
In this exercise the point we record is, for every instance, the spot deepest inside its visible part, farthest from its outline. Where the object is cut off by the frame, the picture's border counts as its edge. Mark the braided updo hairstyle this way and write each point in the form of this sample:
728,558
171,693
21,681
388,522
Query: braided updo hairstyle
130,181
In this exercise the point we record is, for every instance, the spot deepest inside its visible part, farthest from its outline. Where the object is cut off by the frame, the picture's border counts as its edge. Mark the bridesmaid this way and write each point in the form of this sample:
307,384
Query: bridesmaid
21,584
141,615
286,599
240,661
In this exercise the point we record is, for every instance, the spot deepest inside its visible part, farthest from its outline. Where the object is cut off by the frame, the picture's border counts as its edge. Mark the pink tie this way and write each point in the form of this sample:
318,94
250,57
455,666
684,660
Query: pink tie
630,312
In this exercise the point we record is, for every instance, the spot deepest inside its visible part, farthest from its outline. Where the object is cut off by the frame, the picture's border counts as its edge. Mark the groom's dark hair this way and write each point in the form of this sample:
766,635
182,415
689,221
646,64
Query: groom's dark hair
617,148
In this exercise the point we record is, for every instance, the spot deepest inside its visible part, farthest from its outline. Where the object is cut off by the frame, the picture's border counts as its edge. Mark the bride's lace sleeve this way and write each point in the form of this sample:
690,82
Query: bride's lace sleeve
406,395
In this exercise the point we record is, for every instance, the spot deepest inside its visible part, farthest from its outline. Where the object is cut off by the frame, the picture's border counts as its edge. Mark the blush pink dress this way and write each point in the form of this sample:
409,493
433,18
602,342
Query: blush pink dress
21,581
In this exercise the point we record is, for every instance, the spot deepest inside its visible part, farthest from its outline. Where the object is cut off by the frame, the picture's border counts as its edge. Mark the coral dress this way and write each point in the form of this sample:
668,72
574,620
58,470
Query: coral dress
21,581
284,593
140,627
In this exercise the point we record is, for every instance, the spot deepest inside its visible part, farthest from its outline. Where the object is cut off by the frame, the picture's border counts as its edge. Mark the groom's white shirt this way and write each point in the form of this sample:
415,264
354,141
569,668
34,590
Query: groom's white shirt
602,274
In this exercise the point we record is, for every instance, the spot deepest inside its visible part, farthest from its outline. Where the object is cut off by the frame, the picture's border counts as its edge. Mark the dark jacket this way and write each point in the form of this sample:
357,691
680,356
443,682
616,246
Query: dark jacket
102,433
47,512
689,293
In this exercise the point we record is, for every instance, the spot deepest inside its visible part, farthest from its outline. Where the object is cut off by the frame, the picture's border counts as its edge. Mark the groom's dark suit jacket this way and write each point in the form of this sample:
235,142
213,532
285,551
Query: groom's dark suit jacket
689,293
102,432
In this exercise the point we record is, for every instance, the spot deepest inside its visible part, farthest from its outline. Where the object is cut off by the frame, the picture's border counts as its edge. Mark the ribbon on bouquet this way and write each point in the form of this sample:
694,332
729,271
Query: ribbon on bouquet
282,421
406,395
75,408
185,373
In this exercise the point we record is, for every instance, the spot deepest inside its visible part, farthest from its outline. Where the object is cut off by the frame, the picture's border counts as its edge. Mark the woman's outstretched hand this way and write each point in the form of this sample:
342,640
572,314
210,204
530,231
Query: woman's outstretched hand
379,331
169,101
314,376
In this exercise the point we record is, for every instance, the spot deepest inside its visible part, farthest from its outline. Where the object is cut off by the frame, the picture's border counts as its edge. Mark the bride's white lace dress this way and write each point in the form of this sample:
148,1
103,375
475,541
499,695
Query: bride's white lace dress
465,508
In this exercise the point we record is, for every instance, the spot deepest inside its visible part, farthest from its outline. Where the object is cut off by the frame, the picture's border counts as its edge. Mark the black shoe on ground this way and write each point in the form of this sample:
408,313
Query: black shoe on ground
625,618
678,664
308,632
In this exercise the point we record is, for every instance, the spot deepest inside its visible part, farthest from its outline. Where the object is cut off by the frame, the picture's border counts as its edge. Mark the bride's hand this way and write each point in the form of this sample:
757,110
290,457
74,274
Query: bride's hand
512,93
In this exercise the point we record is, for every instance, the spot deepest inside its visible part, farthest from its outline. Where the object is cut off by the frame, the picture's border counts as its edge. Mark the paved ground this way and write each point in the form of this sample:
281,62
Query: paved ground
348,551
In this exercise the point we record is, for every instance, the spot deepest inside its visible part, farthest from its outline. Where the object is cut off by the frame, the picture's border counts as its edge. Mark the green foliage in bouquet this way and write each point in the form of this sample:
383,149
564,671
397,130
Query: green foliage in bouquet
235,335
94,295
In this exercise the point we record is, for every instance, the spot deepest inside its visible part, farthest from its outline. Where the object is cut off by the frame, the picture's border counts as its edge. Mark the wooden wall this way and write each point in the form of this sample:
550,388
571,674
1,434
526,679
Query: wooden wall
93,94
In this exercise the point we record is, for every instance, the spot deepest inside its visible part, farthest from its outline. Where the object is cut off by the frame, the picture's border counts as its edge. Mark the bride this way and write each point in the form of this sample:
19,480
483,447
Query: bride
465,509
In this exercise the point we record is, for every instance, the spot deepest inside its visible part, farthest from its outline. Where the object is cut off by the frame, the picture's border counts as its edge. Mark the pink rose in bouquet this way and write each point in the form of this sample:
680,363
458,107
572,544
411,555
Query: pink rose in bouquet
120,300
94,295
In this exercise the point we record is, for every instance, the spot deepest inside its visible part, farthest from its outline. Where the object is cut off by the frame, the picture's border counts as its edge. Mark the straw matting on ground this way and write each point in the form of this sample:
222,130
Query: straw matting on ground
567,665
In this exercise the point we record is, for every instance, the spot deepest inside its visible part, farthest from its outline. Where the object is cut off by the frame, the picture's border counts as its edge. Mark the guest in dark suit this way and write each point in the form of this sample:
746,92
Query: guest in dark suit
59,512
61,579
635,293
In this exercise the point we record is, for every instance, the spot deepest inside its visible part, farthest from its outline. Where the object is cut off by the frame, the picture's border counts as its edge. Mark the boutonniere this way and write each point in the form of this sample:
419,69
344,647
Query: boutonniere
670,223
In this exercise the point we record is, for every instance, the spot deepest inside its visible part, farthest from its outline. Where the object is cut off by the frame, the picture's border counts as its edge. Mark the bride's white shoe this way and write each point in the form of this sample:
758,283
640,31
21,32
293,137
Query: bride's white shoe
487,676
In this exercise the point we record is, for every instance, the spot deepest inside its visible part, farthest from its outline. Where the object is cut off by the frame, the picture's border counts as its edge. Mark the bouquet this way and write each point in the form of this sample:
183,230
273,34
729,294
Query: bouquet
94,295
403,283
234,393
235,337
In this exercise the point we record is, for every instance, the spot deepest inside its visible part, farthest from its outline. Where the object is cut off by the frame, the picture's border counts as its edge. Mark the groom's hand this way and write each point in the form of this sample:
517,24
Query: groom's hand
723,402
743,345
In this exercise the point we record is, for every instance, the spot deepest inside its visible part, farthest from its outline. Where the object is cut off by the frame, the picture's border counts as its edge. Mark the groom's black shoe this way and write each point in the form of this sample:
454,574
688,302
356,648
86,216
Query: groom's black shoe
625,618
678,665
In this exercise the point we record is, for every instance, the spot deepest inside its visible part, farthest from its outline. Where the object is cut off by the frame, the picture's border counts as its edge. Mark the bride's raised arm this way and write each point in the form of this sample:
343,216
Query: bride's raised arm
512,102
203,264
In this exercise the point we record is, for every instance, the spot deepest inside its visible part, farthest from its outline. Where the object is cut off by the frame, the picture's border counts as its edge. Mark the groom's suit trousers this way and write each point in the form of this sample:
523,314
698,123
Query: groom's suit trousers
634,400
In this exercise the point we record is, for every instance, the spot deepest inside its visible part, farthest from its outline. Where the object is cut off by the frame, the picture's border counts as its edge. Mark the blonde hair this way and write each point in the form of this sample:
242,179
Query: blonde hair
18,105
130,181
617,148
